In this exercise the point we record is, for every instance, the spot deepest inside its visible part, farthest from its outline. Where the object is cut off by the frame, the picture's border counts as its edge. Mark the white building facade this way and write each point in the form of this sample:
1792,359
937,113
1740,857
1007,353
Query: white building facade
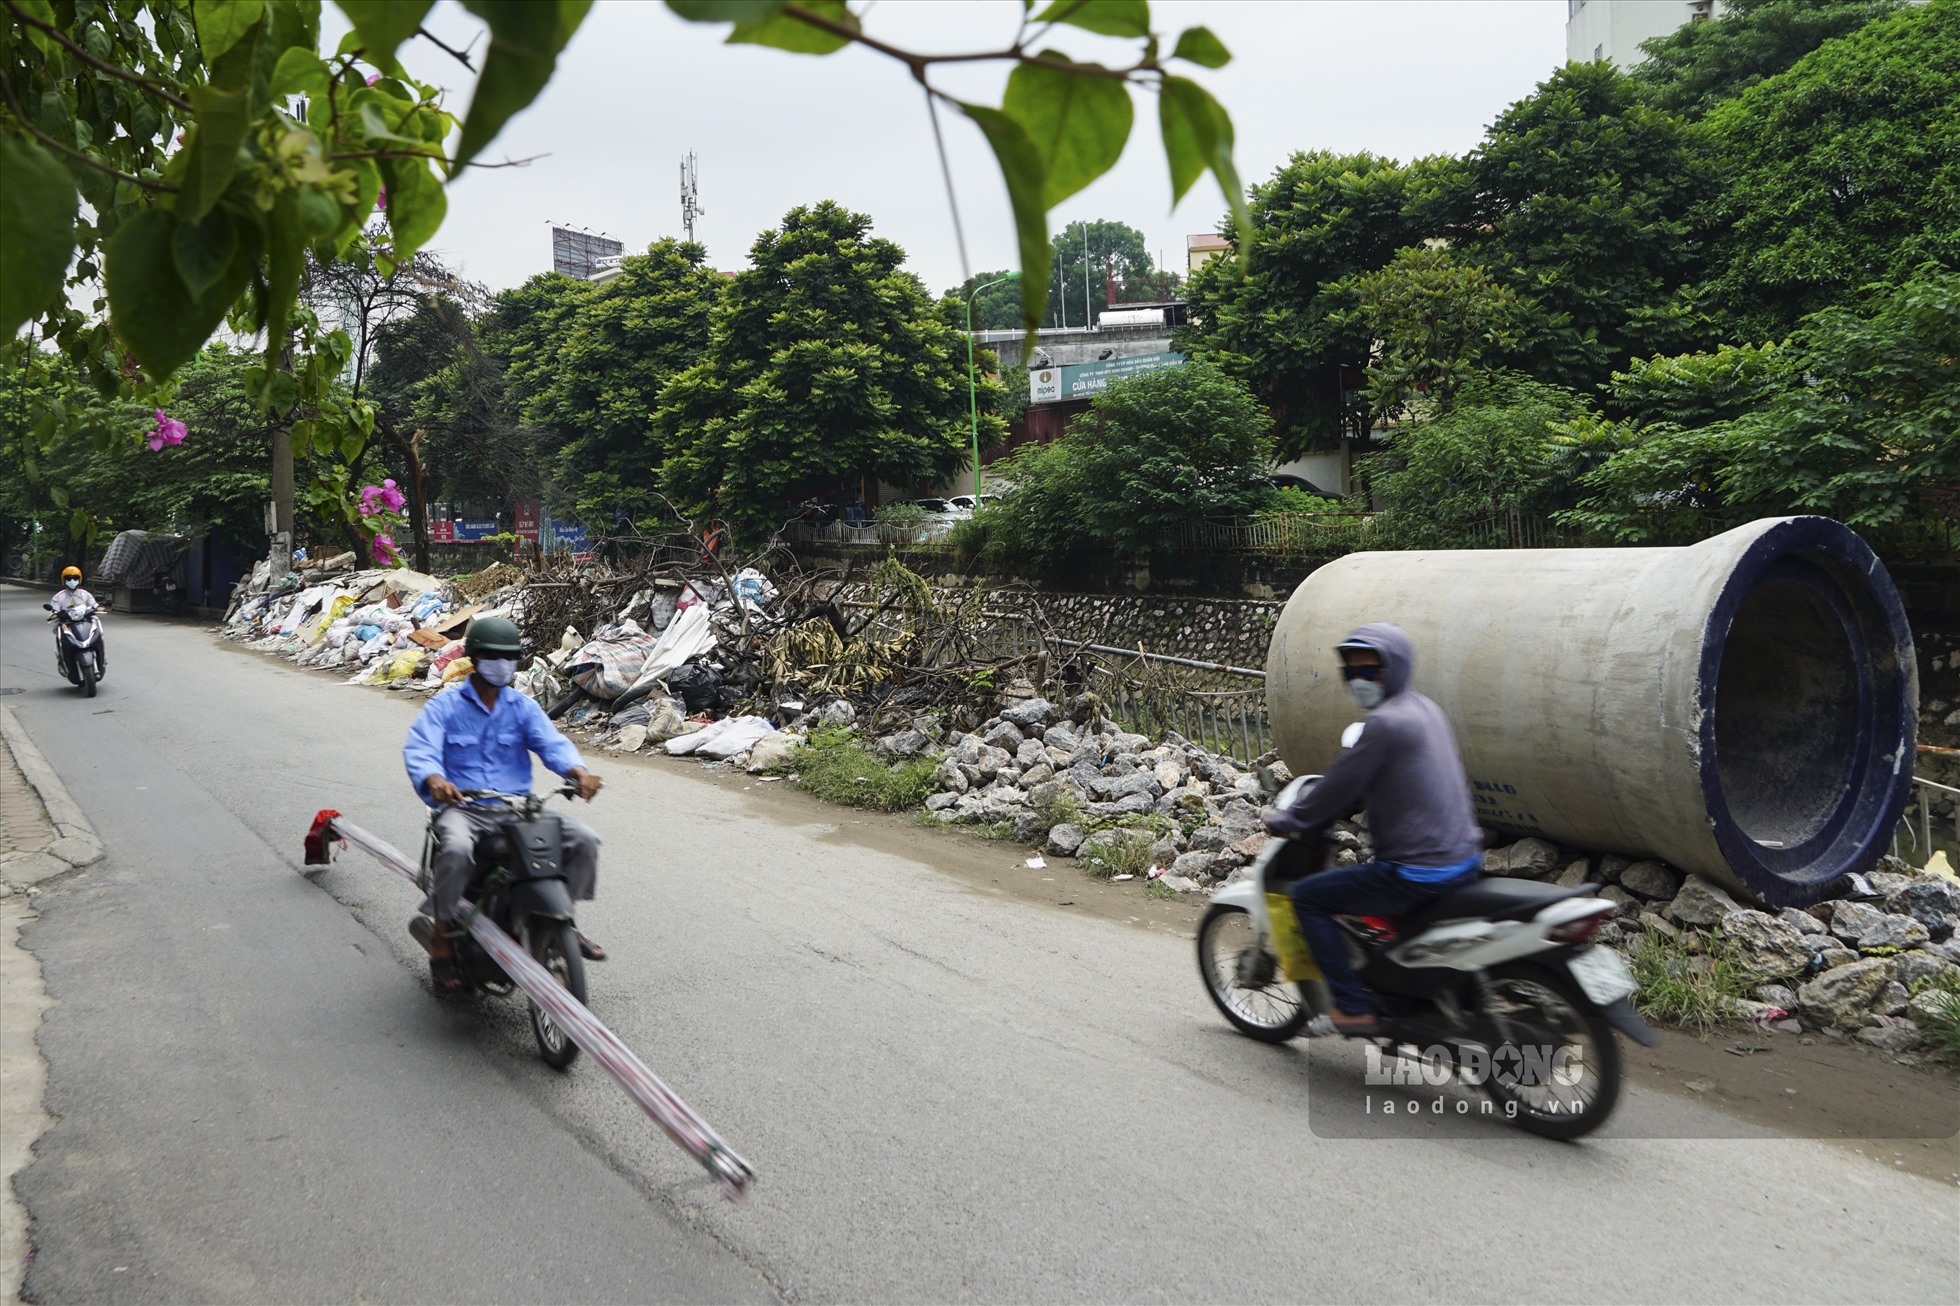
1614,29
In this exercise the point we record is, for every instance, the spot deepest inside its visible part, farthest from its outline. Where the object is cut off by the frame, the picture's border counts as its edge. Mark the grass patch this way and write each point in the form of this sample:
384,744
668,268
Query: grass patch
1158,889
1939,1032
1061,809
838,768
1680,986
996,831
1106,861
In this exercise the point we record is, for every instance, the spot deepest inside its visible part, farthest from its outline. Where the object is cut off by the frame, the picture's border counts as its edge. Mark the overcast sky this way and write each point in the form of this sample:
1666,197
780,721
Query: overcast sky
638,88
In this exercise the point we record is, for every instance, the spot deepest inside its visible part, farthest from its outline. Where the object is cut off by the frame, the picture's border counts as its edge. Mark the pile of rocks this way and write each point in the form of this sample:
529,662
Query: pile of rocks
1842,968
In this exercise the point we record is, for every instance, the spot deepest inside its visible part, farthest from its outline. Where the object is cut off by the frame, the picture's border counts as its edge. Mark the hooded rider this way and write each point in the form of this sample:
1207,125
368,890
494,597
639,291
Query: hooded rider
1405,770
71,597
482,737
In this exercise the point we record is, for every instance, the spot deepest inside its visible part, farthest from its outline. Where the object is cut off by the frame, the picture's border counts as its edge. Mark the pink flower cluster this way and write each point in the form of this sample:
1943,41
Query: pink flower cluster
384,550
169,430
377,498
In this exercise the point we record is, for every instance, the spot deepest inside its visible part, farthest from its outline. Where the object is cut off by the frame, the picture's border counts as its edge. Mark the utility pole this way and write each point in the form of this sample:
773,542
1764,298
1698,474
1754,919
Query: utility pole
1088,318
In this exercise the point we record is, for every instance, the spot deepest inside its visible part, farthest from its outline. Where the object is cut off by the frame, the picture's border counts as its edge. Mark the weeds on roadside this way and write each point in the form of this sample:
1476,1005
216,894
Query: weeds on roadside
1158,889
838,768
1939,1029
1061,809
1679,986
1106,861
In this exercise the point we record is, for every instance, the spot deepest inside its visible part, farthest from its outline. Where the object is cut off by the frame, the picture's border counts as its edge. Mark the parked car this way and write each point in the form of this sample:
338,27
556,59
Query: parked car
1288,482
971,501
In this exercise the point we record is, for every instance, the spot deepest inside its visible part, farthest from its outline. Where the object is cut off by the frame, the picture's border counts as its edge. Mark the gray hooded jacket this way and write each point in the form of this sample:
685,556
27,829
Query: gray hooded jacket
1404,769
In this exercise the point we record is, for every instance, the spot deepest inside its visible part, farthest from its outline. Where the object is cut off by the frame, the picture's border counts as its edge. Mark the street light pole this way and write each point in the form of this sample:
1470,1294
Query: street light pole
972,381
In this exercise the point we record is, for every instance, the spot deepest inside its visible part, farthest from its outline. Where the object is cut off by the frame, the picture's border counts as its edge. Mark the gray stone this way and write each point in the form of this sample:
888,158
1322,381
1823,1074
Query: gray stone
1892,1036
1044,794
1084,776
1833,955
1763,947
1912,967
1064,839
1196,865
1527,859
1946,951
1650,880
1625,904
1007,775
1170,773
1701,903
906,743
1802,921
992,759
1137,782
1649,921
1005,736
1580,872
1164,852
1777,995
1181,883
1273,777
1039,774
1029,715
1123,742
1934,903
1128,805
1790,1025
1030,827
939,802
950,777
1865,927
1211,839
1183,806
1841,996
1060,736
1031,753
1240,818
1891,1000
1932,1006
1610,867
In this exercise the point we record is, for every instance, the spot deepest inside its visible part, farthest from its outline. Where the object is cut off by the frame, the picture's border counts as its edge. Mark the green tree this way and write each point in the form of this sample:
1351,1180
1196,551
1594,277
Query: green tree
1696,389
1581,199
1843,173
1436,323
1086,255
623,343
996,308
1495,453
1698,65
1275,321
825,361
1155,452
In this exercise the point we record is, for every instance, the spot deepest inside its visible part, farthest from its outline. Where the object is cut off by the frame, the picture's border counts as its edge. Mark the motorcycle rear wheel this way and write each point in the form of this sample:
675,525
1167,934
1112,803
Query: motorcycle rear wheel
1243,979
553,944
1550,1020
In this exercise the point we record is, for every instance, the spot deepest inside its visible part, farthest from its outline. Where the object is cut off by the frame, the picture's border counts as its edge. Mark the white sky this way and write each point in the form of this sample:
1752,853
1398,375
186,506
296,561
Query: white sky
638,88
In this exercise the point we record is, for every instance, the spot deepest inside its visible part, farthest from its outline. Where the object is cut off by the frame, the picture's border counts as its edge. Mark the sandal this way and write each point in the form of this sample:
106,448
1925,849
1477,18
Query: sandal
1327,1026
588,949
443,971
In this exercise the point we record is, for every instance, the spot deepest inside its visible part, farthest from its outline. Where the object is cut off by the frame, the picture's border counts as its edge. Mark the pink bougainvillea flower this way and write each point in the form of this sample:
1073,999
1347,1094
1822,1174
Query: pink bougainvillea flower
168,430
381,199
384,550
381,498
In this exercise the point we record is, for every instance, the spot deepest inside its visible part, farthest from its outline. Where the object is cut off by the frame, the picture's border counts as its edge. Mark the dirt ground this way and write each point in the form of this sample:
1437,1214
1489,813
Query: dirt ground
1844,1093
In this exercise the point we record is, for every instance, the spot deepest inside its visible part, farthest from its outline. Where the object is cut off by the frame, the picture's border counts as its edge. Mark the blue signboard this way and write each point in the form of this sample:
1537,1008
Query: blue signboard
565,536
467,531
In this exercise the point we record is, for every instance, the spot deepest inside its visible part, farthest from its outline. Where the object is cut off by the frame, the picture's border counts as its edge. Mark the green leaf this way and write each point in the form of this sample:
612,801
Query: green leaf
1103,17
525,38
1197,45
1021,168
221,24
1197,138
37,230
300,71
201,251
384,24
223,120
1078,122
416,204
285,261
783,31
153,312
726,11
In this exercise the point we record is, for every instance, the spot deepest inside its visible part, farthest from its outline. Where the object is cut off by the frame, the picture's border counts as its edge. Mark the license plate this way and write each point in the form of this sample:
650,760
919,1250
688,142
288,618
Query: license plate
1601,975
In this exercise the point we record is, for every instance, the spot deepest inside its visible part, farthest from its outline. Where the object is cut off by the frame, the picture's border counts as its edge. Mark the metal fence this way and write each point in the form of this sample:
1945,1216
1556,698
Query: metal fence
1914,840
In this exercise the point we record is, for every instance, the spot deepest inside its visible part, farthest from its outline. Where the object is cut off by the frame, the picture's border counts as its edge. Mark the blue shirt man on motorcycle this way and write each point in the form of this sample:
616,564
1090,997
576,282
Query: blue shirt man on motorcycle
1405,770
482,737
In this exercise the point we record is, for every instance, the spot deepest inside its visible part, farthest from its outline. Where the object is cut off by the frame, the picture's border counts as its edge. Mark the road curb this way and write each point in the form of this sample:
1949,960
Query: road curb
76,844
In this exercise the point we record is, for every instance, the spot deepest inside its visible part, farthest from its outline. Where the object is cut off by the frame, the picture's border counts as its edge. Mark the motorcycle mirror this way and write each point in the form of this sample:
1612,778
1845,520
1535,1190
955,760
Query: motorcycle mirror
1352,735
47,607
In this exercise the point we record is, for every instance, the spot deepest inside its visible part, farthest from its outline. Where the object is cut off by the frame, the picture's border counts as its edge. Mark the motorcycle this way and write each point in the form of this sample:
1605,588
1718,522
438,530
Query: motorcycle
519,883
78,650
1498,980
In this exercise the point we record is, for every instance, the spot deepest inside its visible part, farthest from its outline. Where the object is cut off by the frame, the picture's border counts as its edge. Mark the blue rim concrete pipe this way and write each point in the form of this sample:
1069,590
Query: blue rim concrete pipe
1743,708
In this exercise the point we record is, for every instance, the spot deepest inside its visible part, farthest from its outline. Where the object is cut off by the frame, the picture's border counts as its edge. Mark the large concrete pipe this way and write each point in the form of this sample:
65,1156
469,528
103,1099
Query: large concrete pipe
1743,708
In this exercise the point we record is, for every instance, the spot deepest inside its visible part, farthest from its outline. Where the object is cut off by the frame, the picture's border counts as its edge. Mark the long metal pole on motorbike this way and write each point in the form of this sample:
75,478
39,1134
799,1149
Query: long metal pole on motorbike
674,1116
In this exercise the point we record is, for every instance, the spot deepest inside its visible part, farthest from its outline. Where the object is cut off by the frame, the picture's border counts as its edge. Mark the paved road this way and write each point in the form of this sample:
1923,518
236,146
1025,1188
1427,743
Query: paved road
948,1094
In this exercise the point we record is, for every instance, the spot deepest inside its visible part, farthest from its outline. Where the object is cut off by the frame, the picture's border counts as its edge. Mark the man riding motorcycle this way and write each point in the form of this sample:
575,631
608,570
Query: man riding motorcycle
71,597
1405,770
482,737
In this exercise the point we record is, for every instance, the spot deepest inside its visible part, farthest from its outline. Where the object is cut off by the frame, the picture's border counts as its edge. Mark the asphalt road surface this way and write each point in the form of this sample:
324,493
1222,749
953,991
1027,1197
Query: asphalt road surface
948,1094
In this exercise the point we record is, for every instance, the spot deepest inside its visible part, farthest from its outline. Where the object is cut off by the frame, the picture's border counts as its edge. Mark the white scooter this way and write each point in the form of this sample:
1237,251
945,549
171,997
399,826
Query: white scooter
1498,979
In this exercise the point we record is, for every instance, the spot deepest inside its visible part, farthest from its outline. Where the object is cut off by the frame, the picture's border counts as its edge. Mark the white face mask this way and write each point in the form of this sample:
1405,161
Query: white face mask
72,583
497,671
1368,693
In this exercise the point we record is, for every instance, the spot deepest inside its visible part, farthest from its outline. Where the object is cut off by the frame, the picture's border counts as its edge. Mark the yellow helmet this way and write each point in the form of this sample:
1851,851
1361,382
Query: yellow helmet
66,572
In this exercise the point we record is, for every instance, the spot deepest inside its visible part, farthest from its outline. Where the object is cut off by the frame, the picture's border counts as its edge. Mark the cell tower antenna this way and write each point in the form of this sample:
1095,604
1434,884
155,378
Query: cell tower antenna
690,194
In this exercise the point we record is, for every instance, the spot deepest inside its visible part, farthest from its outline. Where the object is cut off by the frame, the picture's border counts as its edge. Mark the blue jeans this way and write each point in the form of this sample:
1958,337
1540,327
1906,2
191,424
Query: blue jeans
1371,889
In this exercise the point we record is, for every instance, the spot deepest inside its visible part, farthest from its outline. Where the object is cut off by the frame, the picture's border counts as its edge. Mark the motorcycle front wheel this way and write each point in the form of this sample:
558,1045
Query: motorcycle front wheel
88,676
553,944
1554,1064
1242,976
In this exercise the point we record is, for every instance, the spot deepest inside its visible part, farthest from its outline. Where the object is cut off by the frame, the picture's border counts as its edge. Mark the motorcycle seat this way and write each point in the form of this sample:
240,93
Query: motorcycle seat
1495,899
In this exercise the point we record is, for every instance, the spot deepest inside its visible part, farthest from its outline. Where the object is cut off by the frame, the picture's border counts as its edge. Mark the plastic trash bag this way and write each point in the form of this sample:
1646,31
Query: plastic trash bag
695,685
609,665
723,739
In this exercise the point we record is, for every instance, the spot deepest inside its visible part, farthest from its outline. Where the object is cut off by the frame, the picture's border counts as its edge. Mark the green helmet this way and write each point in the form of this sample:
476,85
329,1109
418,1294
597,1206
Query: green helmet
493,637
